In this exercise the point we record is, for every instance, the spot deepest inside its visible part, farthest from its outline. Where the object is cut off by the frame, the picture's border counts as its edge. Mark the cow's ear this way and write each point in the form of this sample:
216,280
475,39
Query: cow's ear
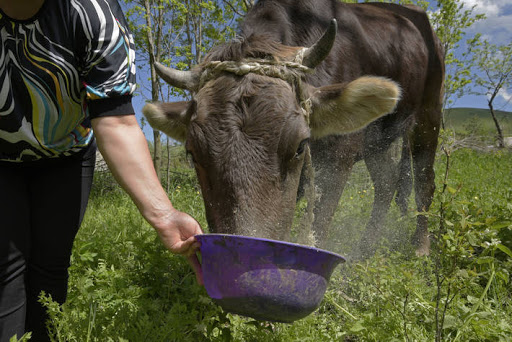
171,118
349,107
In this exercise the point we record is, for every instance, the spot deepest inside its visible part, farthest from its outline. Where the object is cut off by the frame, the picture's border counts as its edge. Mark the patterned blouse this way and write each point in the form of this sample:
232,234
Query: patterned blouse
73,61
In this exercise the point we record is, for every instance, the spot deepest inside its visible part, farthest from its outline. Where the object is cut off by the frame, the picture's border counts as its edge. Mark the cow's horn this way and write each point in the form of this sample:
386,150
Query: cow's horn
177,78
317,53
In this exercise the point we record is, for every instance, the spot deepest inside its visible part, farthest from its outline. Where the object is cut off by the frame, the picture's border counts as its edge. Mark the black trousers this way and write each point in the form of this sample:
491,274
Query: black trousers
41,207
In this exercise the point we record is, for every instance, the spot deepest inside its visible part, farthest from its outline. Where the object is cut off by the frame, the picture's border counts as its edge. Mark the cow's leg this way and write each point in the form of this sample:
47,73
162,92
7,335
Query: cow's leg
384,174
332,160
404,183
424,148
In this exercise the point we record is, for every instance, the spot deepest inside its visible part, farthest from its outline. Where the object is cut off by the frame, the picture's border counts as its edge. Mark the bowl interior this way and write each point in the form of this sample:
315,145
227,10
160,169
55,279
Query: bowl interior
265,279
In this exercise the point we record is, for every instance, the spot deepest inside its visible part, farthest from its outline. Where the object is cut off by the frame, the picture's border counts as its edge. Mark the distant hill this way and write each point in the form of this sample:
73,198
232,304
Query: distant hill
477,119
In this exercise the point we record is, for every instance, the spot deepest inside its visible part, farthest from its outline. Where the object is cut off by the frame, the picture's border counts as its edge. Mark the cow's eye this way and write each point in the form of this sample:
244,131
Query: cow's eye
301,148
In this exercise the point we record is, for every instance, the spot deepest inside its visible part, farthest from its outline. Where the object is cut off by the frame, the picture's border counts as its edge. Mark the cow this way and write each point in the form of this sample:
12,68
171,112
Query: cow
341,81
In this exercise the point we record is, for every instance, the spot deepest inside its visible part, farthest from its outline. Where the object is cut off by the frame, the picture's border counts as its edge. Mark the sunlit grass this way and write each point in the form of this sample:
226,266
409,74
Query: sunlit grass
124,286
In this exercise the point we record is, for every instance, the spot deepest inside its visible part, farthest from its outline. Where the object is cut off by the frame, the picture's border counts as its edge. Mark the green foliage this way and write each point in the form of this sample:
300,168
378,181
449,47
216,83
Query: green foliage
182,31
24,338
124,286
178,34
466,241
451,20
495,66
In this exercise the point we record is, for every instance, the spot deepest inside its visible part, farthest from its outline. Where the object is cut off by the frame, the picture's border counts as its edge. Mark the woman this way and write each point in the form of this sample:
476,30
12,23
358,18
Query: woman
66,70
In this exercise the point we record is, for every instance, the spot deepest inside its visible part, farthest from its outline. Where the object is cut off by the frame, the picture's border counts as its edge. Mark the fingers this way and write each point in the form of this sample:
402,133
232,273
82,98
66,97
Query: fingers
196,266
179,238
188,247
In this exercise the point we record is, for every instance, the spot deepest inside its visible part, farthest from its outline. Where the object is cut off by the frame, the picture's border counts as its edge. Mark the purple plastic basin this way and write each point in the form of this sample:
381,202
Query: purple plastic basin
265,279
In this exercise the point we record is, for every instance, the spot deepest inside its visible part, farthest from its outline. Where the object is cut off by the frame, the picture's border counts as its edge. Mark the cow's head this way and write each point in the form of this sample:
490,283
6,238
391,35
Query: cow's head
250,121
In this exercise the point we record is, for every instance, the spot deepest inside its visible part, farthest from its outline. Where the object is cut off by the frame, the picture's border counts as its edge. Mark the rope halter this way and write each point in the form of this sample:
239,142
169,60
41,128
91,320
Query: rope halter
289,71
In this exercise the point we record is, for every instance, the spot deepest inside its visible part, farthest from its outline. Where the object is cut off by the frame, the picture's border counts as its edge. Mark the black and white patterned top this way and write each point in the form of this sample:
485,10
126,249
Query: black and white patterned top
73,61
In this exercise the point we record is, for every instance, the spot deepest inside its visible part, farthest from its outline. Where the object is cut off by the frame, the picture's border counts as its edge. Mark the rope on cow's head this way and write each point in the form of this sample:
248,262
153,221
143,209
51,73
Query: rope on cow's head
287,71
292,73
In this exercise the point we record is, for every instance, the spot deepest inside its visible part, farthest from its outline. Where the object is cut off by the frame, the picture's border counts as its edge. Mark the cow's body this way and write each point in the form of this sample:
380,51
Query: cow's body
384,40
373,39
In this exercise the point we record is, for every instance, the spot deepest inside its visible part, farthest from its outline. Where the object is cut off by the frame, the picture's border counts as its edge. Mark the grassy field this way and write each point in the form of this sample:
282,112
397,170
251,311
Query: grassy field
124,286
478,122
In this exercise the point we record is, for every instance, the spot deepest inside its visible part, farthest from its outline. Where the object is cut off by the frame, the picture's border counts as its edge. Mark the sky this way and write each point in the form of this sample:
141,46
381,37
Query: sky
496,28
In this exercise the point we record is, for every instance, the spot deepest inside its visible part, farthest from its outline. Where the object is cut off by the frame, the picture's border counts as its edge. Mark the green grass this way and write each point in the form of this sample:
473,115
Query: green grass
124,286
477,121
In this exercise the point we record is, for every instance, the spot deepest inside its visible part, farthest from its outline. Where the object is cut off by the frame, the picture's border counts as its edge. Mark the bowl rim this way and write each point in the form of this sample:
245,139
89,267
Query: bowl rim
286,243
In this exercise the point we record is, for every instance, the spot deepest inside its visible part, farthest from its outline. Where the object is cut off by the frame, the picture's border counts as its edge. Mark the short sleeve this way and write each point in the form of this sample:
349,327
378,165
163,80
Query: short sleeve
107,56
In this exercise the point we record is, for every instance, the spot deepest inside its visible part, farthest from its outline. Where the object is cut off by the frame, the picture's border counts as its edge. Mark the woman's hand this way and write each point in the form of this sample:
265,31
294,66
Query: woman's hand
177,232
124,147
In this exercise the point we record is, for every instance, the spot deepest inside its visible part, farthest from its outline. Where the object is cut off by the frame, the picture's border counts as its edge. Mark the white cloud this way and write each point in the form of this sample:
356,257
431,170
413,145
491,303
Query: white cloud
505,95
498,23
490,8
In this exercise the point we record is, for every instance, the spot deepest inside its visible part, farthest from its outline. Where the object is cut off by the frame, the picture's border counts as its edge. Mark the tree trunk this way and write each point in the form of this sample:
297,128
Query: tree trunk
157,153
157,147
501,143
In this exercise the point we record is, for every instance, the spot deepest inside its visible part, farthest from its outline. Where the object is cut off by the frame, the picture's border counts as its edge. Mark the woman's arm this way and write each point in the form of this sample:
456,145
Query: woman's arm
124,147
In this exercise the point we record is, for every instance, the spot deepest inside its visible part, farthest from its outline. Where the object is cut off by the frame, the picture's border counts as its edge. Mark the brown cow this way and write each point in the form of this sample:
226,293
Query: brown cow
246,128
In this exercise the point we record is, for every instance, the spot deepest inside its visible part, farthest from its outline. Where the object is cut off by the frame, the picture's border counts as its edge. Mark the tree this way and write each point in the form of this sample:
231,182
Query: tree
451,20
493,75
205,23
147,23
179,33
